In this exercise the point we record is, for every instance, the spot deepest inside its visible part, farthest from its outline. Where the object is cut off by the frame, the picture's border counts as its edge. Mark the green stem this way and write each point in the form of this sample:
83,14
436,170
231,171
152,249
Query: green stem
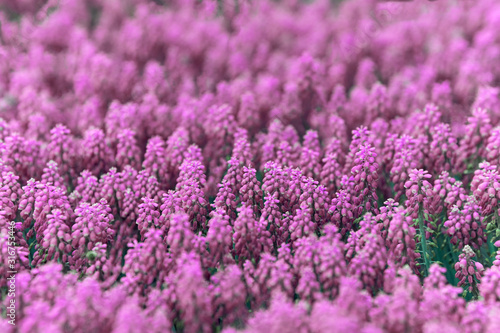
455,259
453,253
492,235
491,248
423,240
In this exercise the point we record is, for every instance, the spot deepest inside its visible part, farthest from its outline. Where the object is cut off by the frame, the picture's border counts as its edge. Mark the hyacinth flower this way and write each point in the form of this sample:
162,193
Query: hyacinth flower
146,263
291,188
86,190
10,195
242,149
365,177
492,146
19,255
22,155
330,264
475,318
251,237
385,216
465,226
111,184
401,236
343,211
26,203
44,283
468,271
316,197
287,155
37,202
270,141
310,155
189,293
5,129
496,262
325,257
379,134
189,195
387,153
484,186
331,171
426,120
250,191
289,314
353,300
473,146
55,245
194,154
98,264
221,127
450,191
226,200
96,155
273,182
368,261
116,189
176,149
51,175
234,175
398,311
302,224
248,112
127,150
219,238
193,202
180,237
146,185
308,288
229,295
489,286
326,316
440,301
487,99
405,159
155,161
92,226
378,103
442,150
436,278
419,192
269,277
230,177
360,136
148,216
277,223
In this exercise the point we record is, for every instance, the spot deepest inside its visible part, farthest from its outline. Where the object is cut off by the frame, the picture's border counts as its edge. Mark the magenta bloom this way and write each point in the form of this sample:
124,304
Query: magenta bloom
249,166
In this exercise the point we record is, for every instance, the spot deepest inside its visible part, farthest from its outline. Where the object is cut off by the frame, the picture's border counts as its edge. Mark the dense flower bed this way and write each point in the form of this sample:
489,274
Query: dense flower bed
266,166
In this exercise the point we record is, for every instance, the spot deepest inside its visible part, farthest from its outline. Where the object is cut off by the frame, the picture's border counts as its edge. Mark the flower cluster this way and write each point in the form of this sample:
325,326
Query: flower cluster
289,165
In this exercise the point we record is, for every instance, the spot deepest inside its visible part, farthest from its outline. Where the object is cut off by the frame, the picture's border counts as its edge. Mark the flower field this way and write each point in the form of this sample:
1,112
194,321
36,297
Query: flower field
249,166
